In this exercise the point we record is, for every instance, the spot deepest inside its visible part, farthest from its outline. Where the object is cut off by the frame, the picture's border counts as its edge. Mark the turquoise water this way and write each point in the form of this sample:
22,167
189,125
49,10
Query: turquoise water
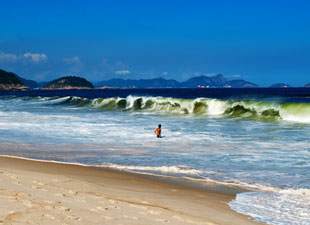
261,145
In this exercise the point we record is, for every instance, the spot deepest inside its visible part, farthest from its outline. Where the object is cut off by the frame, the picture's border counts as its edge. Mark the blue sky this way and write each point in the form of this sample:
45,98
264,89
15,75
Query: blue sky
260,41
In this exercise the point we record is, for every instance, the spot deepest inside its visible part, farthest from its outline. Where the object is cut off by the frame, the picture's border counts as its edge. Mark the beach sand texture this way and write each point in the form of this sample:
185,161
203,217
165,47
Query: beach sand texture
33,192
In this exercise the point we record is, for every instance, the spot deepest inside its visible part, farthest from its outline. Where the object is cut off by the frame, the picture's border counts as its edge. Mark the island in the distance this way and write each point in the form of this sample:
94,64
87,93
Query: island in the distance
280,85
69,82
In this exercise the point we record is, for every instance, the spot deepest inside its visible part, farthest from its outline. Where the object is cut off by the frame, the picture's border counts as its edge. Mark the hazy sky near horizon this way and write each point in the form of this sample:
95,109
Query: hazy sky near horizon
260,41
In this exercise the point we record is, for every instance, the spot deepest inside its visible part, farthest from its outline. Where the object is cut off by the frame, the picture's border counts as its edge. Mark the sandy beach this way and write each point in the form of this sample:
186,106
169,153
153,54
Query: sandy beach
34,192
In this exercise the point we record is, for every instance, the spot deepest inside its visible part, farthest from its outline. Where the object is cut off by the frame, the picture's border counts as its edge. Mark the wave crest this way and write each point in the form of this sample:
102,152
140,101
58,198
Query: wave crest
259,110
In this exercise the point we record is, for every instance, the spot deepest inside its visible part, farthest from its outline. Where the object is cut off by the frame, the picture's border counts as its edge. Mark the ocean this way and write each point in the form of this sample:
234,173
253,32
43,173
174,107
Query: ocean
252,138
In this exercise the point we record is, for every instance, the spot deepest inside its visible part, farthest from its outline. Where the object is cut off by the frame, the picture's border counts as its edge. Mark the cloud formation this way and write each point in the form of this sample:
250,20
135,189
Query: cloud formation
122,72
27,57
7,57
35,57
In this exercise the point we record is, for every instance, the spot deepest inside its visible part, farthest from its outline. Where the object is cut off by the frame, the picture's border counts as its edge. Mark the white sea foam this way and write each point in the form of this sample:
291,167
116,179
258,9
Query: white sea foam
287,207
180,169
295,117
216,107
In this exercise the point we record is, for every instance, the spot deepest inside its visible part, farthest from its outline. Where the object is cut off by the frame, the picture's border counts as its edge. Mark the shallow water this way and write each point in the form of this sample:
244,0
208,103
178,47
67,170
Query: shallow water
258,144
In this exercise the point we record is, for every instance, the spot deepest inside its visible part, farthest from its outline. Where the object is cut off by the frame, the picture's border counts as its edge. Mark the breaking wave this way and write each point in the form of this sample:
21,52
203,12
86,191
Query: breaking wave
252,109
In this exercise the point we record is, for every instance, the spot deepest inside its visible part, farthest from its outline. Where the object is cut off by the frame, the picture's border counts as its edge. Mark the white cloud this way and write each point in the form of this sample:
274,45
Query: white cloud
26,57
8,57
74,60
122,72
35,57
165,73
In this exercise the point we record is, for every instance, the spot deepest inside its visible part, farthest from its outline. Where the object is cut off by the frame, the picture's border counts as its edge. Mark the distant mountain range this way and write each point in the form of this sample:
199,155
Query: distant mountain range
29,83
217,81
281,85
10,81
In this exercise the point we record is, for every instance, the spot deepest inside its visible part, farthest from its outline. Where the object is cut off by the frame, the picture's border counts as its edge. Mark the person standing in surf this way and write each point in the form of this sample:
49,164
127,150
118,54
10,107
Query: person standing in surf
158,131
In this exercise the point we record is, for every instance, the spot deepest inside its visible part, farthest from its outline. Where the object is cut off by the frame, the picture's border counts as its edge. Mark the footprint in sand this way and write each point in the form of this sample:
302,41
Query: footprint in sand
107,217
48,202
39,188
17,196
70,193
183,220
11,175
61,208
154,212
27,203
111,201
49,216
38,185
101,208
17,182
73,217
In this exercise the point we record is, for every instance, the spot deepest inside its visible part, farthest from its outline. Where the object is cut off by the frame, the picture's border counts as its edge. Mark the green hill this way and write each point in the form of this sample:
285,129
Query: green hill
9,78
10,81
69,82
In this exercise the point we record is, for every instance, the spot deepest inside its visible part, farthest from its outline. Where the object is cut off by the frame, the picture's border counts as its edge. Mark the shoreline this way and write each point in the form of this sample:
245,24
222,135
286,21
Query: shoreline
196,183
53,193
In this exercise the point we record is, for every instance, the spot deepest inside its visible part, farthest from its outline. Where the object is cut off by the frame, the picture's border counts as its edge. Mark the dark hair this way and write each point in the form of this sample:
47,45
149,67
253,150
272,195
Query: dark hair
159,125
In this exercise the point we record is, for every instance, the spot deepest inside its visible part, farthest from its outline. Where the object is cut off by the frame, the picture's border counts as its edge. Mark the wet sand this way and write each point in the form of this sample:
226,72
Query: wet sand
34,192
